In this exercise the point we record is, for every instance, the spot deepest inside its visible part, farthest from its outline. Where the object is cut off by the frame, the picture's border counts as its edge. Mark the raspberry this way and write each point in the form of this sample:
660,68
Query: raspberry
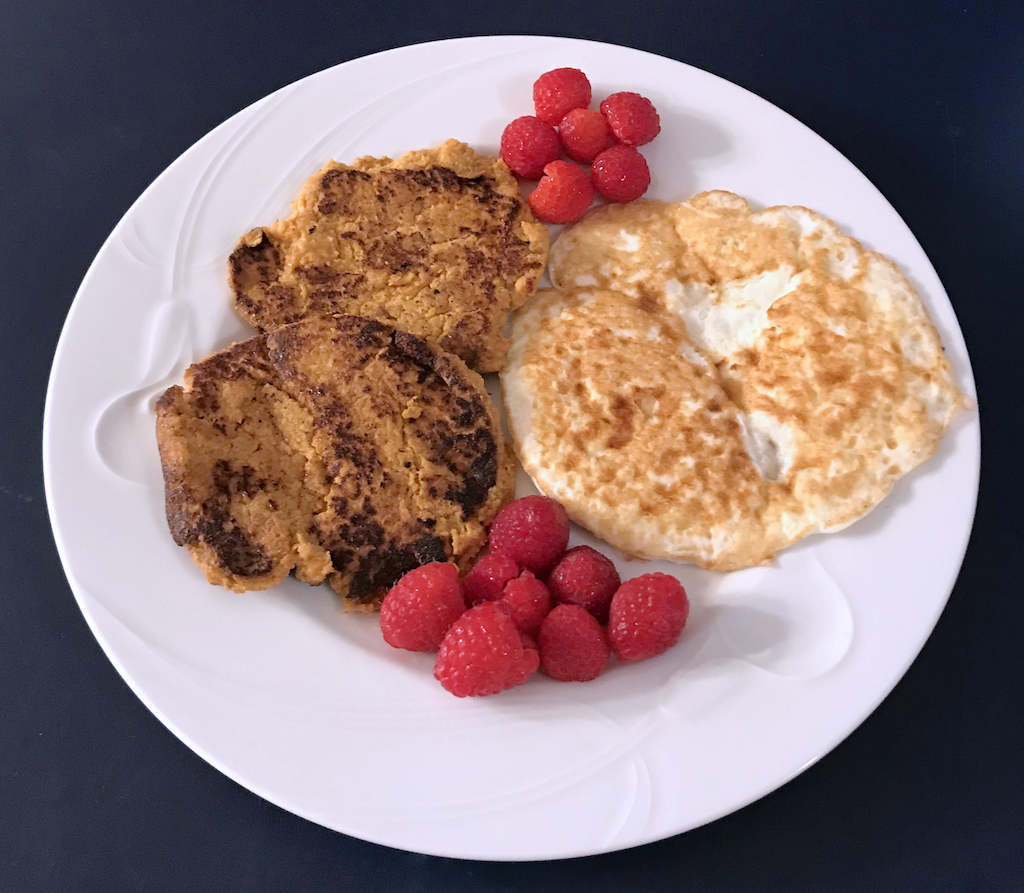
557,92
584,134
586,578
632,118
620,174
527,145
573,647
529,601
483,654
647,616
533,531
531,657
487,578
421,606
563,194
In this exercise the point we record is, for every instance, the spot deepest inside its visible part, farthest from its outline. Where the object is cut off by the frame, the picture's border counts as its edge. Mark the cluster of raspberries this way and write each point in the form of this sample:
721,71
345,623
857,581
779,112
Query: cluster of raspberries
529,604
607,139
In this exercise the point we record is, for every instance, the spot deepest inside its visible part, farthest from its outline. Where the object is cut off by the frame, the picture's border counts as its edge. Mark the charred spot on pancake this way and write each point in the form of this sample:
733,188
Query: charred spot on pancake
336,190
398,252
319,274
237,551
382,570
255,259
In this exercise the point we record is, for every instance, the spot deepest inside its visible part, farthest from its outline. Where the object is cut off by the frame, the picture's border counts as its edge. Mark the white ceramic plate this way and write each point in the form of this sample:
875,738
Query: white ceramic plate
308,707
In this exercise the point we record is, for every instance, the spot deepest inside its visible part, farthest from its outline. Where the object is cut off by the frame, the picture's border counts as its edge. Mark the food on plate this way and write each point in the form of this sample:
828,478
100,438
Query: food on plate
421,607
533,531
573,646
528,601
620,174
493,631
584,134
558,92
647,616
483,653
563,194
632,118
585,577
439,243
486,580
337,447
707,383
528,145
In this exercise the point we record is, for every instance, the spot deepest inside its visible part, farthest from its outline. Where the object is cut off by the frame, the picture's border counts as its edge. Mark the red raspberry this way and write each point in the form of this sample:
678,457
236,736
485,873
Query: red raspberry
573,647
487,578
584,134
421,606
647,616
632,118
557,92
483,654
529,600
620,174
531,656
586,578
563,194
527,145
533,531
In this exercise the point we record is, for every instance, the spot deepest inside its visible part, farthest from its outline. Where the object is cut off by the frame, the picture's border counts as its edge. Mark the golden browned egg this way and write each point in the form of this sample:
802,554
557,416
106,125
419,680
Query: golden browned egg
710,384
340,448
439,243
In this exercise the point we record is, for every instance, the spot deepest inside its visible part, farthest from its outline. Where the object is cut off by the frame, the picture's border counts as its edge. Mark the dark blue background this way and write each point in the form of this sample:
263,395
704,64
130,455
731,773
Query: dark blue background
96,99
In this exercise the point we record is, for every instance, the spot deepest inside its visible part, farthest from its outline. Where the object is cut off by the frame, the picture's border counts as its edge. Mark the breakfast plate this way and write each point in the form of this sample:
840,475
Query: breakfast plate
307,706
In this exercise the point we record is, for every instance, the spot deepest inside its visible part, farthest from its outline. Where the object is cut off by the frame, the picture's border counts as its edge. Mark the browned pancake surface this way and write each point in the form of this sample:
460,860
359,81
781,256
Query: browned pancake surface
438,243
340,448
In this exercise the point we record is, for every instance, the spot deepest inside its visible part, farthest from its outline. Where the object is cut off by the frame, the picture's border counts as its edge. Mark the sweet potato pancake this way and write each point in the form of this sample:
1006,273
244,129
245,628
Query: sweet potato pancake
710,384
438,243
340,448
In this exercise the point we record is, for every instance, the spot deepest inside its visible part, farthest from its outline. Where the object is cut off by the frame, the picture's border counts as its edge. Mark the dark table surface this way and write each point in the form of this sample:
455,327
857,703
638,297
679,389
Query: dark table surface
96,99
